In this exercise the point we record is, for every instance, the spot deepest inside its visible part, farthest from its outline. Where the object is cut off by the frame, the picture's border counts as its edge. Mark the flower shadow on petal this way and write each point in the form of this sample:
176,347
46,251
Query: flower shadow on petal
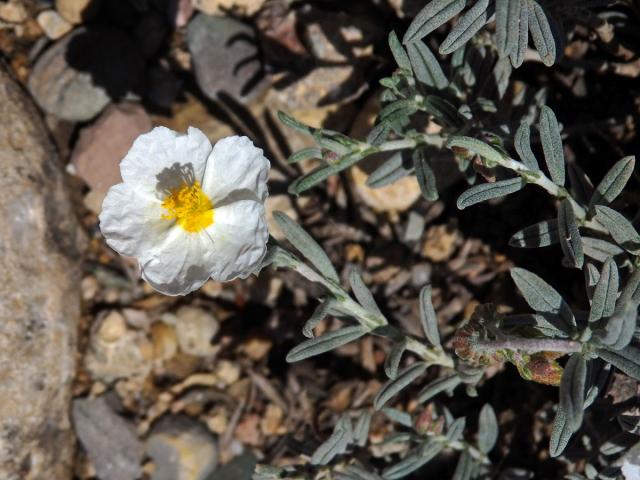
174,177
236,196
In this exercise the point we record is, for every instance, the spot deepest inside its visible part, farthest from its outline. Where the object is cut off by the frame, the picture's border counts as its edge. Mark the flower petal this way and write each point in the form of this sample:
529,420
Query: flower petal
180,264
239,234
236,167
162,159
132,223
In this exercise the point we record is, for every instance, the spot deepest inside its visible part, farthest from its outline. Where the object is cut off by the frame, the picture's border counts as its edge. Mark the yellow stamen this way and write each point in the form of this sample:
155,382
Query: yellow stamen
189,206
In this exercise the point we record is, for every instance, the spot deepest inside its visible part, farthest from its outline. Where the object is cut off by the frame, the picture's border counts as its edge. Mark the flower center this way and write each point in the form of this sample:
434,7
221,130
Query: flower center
189,206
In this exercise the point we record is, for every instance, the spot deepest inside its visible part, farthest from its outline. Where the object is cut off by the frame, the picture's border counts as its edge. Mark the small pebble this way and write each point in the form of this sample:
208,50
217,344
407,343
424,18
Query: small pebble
53,25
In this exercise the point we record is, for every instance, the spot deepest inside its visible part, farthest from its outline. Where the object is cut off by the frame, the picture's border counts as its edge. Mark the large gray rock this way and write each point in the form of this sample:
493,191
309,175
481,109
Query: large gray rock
39,295
225,59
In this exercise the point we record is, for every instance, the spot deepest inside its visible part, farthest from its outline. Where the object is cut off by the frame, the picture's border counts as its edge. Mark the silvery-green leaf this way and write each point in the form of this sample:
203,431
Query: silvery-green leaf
361,428
395,385
520,49
398,416
541,33
541,296
570,239
392,362
540,234
600,249
320,174
618,330
522,143
363,294
437,386
572,390
336,444
434,14
476,146
425,66
399,108
626,360
414,460
613,182
355,472
305,154
291,122
425,175
487,429
606,292
326,342
548,324
631,291
443,111
391,170
552,145
398,52
468,25
488,191
592,276
466,467
306,245
560,434
456,429
378,133
319,314
507,20
428,318
619,227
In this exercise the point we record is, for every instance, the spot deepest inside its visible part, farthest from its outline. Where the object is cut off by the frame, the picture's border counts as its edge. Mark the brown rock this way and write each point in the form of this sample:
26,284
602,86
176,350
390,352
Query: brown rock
102,146
13,12
217,7
39,295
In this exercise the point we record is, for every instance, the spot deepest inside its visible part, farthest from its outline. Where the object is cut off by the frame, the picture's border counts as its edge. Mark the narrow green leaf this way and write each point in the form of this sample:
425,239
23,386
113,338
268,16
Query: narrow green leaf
619,227
426,67
488,191
466,467
540,234
391,170
433,15
438,386
392,362
631,291
336,444
541,296
354,472
600,249
627,364
291,122
507,21
468,25
520,49
476,146
618,330
606,292
456,429
541,33
425,175
363,294
378,134
552,145
414,460
318,315
399,108
572,390
361,429
326,342
443,111
613,182
522,142
321,174
560,434
305,154
395,385
398,52
487,429
428,317
549,324
398,416
306,245
570,239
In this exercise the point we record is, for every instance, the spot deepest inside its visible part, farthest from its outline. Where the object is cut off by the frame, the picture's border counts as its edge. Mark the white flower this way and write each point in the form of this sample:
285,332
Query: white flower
189,212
